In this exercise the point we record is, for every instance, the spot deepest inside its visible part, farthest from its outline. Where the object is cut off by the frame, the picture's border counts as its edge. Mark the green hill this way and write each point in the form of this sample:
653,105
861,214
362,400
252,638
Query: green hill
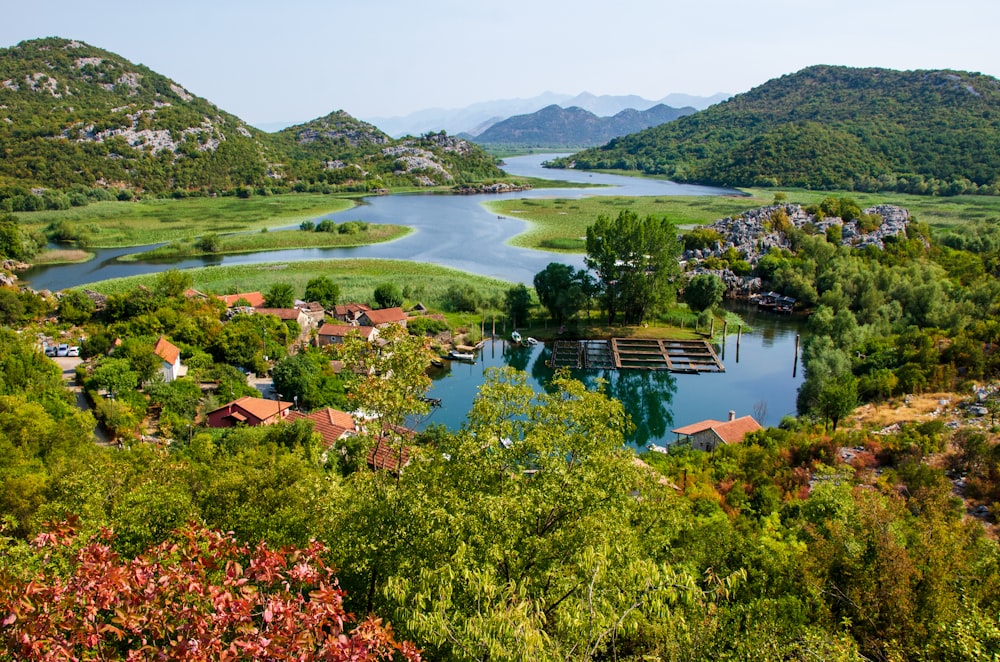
830,127
341,150
78,123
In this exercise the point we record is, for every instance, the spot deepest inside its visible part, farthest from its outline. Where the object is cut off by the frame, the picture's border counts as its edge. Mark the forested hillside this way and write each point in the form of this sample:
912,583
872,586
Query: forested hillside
831,127
554,126
79,123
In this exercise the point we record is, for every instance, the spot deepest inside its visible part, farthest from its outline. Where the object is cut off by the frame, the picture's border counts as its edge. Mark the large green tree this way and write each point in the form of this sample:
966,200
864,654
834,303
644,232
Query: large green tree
636,262
562,290
704,291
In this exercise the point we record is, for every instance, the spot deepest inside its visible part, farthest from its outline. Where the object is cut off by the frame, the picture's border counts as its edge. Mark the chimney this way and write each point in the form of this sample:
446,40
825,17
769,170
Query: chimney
732,415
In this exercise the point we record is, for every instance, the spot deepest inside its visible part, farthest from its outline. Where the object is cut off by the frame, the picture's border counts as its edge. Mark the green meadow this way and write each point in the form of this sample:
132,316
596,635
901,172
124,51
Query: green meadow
144,222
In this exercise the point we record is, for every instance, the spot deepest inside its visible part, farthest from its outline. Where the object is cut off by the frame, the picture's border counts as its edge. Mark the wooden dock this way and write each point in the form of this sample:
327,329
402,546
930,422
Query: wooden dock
689,356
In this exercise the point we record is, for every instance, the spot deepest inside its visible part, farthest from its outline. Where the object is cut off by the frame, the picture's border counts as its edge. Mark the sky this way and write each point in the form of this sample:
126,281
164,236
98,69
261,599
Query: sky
295,60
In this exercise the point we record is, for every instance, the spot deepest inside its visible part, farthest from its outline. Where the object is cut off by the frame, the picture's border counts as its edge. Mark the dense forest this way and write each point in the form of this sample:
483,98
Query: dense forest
826,127
78,123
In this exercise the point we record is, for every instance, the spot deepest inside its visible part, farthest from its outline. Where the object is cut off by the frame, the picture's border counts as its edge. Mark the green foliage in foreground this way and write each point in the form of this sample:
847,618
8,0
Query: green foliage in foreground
533,531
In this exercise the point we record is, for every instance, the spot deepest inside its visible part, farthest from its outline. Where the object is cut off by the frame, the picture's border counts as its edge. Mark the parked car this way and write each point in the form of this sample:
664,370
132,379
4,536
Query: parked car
50,350
73,351
62,350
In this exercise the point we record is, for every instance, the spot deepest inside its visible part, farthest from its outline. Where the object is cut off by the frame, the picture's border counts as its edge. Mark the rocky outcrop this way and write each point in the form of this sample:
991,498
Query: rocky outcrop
755,232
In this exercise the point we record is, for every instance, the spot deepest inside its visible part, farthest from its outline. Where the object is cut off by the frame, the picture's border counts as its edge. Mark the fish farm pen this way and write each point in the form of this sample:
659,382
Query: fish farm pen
688,356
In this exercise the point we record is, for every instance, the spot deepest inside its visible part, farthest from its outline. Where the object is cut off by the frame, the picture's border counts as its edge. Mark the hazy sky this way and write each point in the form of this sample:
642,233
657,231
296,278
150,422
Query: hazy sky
294,60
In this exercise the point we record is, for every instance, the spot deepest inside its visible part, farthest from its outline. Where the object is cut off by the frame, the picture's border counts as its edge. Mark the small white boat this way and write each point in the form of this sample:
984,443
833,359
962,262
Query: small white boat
530,341
461,356
515,336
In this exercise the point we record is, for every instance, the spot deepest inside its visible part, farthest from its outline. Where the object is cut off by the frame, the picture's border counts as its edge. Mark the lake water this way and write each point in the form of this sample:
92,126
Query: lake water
458,232
764,374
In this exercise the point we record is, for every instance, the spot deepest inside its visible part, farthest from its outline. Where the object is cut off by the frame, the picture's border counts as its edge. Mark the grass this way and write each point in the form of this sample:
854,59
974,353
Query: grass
274,241
357,279
120,224
560,224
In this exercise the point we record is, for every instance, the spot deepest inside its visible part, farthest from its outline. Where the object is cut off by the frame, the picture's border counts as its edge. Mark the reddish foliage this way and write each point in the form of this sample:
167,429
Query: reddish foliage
201,597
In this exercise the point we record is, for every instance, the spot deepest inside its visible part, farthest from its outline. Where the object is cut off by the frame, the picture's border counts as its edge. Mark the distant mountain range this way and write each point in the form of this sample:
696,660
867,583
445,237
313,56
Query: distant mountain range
77,118
554,127
829,127
479,117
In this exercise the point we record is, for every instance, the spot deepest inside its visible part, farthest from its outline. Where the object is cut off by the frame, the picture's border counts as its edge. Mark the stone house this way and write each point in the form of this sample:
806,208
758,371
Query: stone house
710,434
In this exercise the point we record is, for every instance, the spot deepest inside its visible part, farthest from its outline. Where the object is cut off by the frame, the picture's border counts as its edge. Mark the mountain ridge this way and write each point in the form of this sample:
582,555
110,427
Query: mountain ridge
924,131
573,127
468,118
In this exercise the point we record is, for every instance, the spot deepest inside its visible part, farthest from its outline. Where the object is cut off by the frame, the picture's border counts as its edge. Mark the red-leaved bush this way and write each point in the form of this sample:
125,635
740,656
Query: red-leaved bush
202,596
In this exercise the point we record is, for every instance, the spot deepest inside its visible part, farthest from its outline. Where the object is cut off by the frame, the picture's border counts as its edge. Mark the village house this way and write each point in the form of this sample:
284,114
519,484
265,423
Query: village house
255,299
710,434
312,310
286,315
249,411
389,453
383,317
349,312
331,424
331,334
170,359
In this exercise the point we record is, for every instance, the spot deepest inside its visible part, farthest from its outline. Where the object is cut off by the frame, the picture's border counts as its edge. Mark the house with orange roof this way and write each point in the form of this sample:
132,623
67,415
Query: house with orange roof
249,411
255,299
331,424
709,434
286,315
383,317
350,311
170,359
330,334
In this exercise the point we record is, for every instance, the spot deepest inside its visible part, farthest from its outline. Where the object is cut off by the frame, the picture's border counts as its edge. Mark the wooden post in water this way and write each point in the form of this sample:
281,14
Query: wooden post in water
739,336
795,366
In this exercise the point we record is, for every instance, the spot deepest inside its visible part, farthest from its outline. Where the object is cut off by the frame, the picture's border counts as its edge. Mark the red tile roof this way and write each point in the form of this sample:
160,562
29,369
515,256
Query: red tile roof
390,457
331,424
166,350
695,428
385,316
255,299
261,408
349,310
730,432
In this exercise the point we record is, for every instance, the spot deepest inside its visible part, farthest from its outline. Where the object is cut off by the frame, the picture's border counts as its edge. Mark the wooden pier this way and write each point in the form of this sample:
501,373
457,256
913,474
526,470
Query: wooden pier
689,356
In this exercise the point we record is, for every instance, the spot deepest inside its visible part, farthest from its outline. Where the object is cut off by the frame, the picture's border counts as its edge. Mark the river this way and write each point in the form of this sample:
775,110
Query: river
458,232
450,230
